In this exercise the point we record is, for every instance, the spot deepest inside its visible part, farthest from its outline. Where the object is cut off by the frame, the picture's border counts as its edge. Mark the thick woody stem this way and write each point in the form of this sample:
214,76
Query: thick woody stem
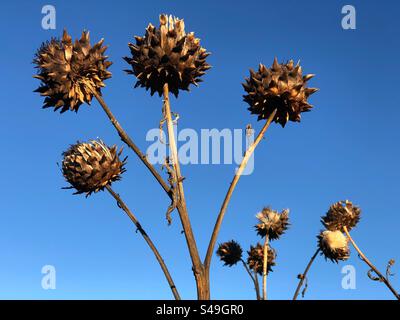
304,275
249,152
382,278
198,269
150,243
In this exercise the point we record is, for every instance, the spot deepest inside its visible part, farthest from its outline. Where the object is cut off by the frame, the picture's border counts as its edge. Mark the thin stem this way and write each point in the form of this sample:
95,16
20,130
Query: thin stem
253,279
304,275
365,259
182,208
232,186
125,138
153,248
265,267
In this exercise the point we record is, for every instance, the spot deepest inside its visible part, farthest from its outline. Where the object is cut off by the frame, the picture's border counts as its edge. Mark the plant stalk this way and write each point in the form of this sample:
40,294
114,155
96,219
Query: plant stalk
256,287
150,243
265,267
304,275
217,227
369,263
202,279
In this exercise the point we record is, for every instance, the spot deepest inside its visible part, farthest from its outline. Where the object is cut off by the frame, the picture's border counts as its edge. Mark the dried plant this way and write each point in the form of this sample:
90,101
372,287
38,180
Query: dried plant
333,243
167,60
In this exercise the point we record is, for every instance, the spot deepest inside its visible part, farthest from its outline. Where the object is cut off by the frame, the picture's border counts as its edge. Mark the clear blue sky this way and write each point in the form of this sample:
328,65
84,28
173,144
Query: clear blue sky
347,147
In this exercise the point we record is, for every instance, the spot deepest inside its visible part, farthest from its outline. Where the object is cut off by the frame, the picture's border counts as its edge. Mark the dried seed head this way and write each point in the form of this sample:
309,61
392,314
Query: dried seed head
230,253
341,214
69,71
281,87
255,260
334,245
91,166
272,223
167,54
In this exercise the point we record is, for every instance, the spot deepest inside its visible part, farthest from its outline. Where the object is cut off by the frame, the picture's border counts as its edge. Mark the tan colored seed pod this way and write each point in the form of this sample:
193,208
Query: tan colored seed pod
230,253
281,87
91,166
167,54
341,214
255,259
70,71
272,223
334,245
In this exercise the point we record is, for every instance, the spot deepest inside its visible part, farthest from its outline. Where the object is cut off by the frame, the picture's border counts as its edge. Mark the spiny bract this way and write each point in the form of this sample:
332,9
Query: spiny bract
341,214
167,55
255,260
272,223
334,245
91,166
230,253
70,72
281,87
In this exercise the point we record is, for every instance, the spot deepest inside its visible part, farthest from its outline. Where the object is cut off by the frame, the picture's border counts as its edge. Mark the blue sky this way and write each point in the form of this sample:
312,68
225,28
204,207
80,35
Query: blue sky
346,148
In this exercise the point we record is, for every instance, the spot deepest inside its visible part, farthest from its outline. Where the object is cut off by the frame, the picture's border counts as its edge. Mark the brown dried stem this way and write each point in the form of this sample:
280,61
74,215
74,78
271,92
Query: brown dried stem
150,243
254,279
232,186
265,267
304,274
198,269
365,259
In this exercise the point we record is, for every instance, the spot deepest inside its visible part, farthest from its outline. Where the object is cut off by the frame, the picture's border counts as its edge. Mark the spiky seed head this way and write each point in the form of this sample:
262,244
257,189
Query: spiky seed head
230,253
334,245
341,214
255,259
167,54
70,71
282,87
272,223
91,166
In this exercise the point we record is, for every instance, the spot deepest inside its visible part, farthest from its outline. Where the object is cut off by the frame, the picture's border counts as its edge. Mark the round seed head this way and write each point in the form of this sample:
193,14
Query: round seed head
282,87
230,253
341,214
272,223
70,71
334,245
255,259
91,166
167,54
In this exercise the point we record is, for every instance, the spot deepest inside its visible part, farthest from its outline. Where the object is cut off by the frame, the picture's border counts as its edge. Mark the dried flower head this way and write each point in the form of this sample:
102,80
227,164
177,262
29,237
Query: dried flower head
334,245
272,223
91,166
230,253
167,54
255,260
70,71
281,87
341,214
